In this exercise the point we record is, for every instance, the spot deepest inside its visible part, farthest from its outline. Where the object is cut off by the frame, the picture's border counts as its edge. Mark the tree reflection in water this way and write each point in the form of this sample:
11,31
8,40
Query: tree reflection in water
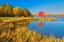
41,24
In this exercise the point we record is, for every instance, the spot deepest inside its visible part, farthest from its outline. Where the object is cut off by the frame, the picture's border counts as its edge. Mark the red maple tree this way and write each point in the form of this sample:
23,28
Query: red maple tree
41,13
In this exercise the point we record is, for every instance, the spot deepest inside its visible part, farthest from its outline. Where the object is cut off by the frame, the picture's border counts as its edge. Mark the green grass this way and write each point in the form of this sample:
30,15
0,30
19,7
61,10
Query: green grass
8,18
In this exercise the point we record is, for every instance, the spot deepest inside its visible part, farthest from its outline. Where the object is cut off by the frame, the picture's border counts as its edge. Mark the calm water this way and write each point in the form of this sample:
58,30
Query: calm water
49,27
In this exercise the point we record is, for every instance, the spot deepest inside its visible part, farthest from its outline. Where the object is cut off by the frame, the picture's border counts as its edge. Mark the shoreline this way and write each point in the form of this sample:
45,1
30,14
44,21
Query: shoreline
26,18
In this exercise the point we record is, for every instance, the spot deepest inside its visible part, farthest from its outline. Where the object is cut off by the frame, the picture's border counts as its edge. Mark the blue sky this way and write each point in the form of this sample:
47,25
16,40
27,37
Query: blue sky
48,6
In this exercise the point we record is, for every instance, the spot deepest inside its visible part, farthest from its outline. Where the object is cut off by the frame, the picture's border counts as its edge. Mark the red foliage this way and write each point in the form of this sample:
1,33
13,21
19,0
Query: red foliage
40,24
41,13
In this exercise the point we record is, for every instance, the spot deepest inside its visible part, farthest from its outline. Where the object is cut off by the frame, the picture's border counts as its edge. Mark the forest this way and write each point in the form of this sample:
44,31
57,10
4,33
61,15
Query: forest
7,10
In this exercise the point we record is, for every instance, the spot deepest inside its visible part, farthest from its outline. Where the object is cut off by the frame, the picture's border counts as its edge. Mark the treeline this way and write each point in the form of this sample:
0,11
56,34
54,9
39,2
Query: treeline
7,10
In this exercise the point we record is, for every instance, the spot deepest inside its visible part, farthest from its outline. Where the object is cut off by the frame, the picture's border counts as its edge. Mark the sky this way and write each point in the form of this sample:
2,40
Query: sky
48,6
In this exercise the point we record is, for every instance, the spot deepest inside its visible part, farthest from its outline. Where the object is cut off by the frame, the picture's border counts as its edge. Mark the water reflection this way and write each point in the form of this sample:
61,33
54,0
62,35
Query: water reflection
40,24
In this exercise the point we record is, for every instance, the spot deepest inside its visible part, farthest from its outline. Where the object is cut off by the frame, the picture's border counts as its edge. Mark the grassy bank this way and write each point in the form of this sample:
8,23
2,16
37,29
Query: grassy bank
10,32
25,35
26,18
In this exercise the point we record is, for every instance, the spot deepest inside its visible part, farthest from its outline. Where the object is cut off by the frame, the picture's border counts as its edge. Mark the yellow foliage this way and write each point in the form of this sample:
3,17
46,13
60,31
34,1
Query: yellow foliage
25,35
1,9
17,10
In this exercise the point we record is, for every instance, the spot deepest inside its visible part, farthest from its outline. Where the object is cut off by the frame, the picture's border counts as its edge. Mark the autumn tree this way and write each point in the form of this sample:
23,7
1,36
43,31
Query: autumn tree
17,11
27,12
1,10
7,10
10,12
41,13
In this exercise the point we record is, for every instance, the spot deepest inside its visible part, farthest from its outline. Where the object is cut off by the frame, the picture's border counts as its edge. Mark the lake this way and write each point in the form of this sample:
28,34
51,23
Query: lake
48,27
